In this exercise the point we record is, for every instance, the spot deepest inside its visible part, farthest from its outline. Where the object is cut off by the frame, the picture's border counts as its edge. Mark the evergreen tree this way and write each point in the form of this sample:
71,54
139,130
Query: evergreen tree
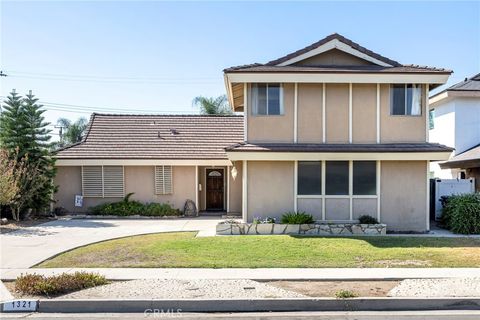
24,134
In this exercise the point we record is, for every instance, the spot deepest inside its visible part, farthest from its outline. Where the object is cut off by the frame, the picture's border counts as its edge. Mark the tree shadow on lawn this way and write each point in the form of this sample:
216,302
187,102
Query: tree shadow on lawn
405,241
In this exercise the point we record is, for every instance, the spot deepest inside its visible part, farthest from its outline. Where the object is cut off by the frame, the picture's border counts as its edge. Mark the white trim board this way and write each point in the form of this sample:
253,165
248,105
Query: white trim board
285,77
335,44
292,156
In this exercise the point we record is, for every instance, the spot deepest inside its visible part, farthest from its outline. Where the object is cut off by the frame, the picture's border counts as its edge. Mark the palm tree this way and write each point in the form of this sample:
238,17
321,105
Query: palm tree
218,105
71,133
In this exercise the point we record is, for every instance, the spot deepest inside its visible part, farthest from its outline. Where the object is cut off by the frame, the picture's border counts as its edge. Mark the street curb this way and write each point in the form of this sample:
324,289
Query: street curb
255,305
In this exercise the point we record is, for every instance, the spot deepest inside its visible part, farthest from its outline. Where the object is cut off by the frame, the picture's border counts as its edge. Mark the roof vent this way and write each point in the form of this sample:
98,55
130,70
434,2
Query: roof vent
174,132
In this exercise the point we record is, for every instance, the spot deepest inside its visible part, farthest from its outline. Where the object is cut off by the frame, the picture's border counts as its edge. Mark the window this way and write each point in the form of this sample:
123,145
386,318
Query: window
406,99
103,181
163,180
267,99
309,178
431,119
364,178
336,180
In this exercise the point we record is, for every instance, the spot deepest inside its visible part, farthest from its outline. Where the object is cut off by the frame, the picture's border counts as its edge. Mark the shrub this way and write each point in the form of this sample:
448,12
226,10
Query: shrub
344,294
34,284
461,213
259,220
128,207
366,219
297,218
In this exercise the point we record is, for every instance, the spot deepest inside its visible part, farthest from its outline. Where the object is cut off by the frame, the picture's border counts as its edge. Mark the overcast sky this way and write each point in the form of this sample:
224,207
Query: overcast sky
149,57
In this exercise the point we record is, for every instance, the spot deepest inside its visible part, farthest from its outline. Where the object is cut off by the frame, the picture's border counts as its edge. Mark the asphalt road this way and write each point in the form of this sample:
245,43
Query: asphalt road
399,315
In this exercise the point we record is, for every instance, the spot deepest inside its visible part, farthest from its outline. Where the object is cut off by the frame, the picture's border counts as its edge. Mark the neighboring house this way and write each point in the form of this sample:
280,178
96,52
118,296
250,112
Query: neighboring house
334,129
455,122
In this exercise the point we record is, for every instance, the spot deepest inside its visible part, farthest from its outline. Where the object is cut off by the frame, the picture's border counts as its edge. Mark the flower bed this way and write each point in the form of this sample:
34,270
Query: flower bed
320,228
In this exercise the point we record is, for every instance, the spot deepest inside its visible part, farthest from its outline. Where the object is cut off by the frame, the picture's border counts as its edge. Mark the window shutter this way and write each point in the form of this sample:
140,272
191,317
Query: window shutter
163,180
92,181
113,185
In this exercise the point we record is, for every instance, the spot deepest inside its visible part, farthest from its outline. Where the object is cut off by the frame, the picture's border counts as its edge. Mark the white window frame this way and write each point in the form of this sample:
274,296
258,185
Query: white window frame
255,103
163,189
323,197
405,103
102,179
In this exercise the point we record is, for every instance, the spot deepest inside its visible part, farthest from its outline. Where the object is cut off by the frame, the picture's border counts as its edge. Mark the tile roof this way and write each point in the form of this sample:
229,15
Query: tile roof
467,159
272,66
113,136
472,84
311,147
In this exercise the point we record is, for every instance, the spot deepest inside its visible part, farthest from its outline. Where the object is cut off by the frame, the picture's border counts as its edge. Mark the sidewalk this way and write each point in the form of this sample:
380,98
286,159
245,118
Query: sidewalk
260,273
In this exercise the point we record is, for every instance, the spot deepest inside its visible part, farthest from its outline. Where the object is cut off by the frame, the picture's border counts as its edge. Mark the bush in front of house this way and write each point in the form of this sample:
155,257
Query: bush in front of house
35,284
297,218
260,220
128,207
461,213
366,219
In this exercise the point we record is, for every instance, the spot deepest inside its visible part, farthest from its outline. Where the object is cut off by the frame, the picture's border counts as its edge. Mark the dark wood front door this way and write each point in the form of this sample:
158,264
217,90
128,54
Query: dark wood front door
214,189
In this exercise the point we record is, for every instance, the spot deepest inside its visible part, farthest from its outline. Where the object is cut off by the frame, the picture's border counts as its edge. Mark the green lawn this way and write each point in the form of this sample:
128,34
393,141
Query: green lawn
183,250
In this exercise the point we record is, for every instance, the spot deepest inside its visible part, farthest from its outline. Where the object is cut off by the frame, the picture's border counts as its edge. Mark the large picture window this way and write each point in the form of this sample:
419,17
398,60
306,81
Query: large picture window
267,99
364,178
336,180
406,99
309,177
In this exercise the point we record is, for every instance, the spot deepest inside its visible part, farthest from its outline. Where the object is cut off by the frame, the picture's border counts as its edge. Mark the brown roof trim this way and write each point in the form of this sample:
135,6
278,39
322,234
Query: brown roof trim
331,37
321,147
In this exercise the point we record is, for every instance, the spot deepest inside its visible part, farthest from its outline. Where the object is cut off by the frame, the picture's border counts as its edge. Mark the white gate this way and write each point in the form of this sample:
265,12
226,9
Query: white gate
447,187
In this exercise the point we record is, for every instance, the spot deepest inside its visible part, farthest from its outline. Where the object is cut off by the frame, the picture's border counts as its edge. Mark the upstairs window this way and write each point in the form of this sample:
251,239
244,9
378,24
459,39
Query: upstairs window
406,99
267,99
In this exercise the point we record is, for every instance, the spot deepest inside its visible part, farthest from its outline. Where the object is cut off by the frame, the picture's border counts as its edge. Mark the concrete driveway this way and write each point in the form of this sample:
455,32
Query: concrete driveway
27,247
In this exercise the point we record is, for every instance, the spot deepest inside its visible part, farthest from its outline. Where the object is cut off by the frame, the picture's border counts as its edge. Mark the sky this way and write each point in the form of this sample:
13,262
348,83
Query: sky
155,56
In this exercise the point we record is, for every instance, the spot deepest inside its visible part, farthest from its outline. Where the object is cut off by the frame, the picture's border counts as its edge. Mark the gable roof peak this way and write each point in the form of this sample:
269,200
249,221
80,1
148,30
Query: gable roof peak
335,36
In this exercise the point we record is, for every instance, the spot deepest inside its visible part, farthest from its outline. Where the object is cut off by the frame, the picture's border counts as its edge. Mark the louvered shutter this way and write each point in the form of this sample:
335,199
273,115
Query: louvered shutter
163,180
113,185
92,185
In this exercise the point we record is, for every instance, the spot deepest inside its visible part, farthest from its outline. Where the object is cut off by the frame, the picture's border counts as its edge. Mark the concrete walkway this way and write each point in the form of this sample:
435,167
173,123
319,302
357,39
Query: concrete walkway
260,273
29,246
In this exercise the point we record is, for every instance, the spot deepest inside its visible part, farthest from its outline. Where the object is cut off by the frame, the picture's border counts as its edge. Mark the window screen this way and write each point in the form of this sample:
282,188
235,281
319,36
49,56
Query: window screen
309,178
364,178
336,180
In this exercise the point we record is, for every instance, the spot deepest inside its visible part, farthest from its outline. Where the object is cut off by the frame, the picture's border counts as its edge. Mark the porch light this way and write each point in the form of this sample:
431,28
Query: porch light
234,172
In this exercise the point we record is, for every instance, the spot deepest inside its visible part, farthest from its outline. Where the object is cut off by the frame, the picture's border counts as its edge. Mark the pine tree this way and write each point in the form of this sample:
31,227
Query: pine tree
24,134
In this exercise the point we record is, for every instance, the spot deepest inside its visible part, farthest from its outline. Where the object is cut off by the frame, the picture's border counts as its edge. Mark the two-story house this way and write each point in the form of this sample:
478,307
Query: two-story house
333,129
455,122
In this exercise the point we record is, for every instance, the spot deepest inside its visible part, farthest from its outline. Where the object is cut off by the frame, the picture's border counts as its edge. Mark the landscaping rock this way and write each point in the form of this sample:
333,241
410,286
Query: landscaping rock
190,209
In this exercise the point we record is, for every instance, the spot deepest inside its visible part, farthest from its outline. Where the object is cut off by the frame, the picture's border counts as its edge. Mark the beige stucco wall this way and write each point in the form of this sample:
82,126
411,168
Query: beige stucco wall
403,195
400,128
273,128
270,188
236,190
336,109
309,108
138,179
311,206
364,113
333,57
337,209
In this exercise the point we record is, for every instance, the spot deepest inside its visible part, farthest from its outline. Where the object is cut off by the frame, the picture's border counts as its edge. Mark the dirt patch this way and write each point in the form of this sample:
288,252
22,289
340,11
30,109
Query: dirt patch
18,225
329,288
403,263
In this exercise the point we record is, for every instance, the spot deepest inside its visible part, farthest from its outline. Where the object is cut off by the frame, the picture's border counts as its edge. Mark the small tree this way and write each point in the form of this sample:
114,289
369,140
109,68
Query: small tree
212,106
9,187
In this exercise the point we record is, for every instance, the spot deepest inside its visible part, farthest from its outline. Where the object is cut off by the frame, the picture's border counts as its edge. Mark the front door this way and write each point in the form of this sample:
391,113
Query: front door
214,189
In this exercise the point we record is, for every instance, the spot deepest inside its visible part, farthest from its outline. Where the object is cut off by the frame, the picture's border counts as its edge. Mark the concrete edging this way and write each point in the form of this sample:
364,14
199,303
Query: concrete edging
256,305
